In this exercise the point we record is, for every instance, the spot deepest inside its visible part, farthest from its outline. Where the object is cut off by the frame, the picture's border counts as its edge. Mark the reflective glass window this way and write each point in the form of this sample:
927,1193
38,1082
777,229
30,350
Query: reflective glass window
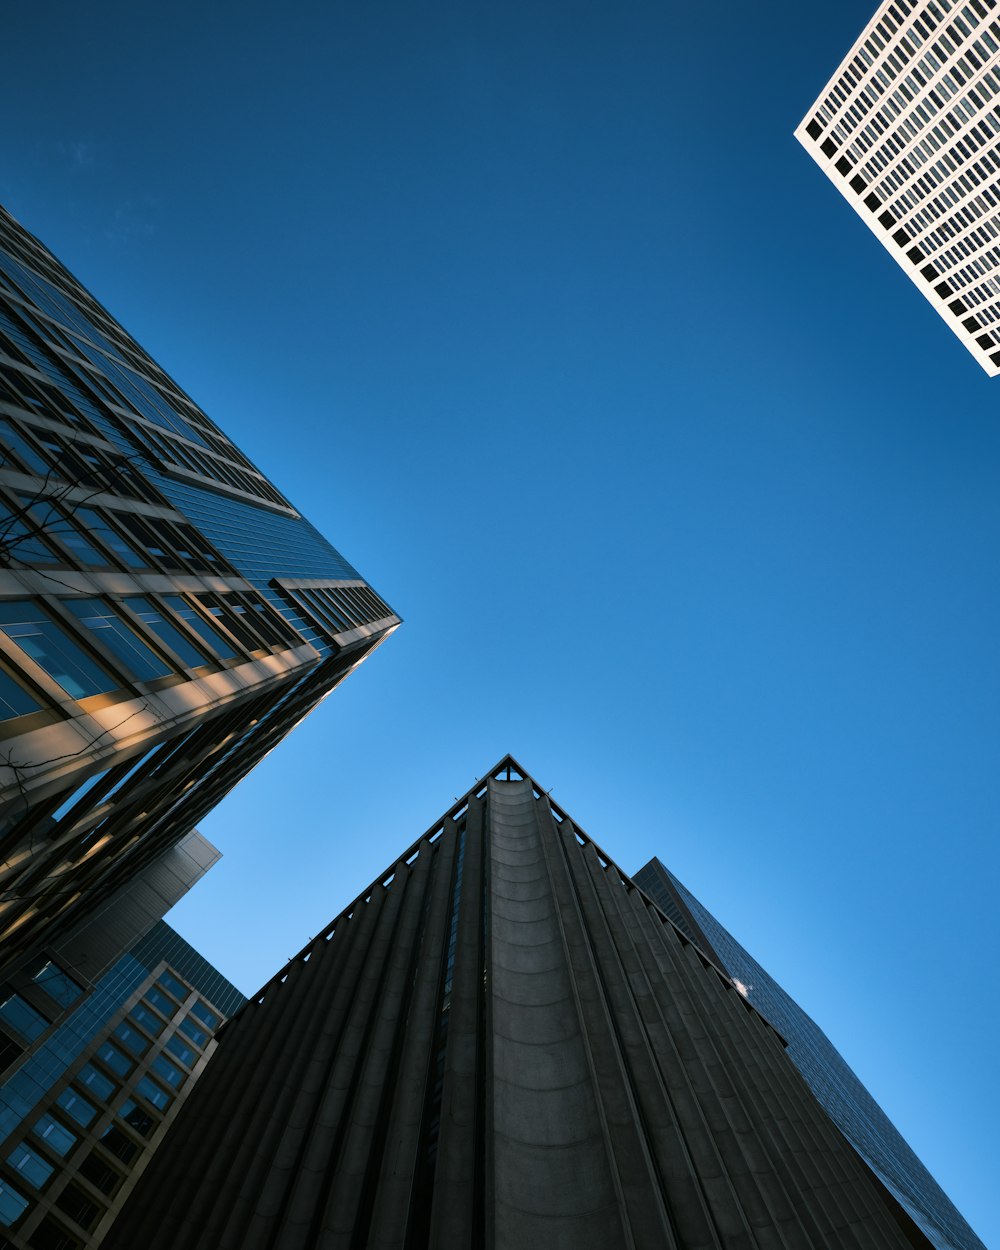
55,1135
12,1204
182,1050
76,1107
122,641
22,1018
96,1083
146,1019
30,1164
182,646
205,1014
114,1058
121,1146
53,650
136,1117
14,699
57,984
105,533
170,983
160,1001
131,1038
196,1034
168,1071
217,642
152,1092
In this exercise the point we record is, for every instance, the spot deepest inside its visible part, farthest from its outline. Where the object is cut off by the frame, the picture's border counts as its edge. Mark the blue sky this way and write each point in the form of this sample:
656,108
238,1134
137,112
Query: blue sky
687,496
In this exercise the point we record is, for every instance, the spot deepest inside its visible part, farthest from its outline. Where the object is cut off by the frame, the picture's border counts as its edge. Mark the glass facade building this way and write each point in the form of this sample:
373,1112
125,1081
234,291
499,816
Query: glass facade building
837,1088
108,1066
166,614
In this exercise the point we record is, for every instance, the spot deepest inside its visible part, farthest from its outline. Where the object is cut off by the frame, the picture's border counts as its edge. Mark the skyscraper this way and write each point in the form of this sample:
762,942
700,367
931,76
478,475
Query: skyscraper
503,1042
908,130
166,614
841,1093
82,1115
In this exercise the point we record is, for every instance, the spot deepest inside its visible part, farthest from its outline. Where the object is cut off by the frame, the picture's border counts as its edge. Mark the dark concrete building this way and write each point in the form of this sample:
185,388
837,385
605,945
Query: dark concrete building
504,1043
829,1076
166,614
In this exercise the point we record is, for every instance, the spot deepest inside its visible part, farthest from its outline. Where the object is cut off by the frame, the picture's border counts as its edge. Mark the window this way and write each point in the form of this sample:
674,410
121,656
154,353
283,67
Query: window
30,1164
121,641
136,1117
131,1038
22,1018
75,795
166,1006
170,983
149,1089
59,985
205,1014
12,1205
75,1203
96,1083
50,1235
14,699
100,1174
217,642
145,1019
181,1049
100,529
55,1135
169,1072
120,1146
182,647
76,1108
114,1058
53,650
197,1035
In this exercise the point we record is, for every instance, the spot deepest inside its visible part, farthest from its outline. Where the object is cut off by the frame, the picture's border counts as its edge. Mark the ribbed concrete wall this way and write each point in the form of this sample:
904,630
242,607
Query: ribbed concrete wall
503,1046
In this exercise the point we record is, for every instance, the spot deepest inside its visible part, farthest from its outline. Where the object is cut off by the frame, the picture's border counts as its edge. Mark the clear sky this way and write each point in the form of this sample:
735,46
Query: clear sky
688,497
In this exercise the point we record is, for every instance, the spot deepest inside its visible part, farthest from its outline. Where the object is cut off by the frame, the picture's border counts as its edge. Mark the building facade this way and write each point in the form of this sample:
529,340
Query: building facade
504,1043
838,1089
166,614
908,130
82,1113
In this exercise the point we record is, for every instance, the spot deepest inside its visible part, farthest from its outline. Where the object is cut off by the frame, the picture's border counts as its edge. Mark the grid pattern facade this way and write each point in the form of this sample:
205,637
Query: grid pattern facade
95,1097
502,1043
148,656
846,1100
908,129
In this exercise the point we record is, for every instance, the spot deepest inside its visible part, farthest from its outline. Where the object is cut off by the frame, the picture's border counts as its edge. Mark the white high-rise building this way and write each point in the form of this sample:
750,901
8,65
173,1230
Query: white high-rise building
908,129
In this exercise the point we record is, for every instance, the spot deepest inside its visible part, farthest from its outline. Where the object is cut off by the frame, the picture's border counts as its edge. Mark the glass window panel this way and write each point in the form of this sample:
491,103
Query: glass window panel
57,984
30,1164
121,1147
182,1050
76,1107
146,1019
114,1058
23,1018
218,643
160,1001
74,796
185,650
103,532
12,1204
196,1034
20,543
152,1092
205,1014
53,650
162,1066
170,983
132,1039
123,642
96,1083
14,699
55,1136
34,460
137,1117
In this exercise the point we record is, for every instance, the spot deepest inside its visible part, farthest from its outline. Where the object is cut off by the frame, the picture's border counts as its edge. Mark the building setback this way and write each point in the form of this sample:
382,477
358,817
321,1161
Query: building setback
841,1093
504,1043
166,614
908,130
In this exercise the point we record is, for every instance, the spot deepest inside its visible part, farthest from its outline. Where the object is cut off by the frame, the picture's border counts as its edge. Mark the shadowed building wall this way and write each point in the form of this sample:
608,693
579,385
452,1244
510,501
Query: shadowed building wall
503,1043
